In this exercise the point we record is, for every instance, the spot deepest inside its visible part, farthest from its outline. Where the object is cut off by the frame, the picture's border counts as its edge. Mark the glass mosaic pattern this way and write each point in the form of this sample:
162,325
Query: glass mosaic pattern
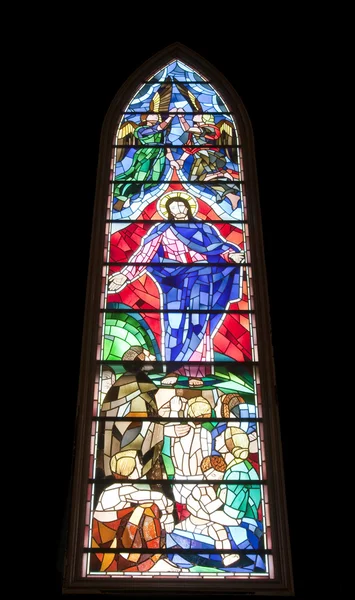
177,484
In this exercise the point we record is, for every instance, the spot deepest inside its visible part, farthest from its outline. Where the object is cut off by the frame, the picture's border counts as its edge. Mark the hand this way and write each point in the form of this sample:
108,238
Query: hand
174,163
173,111
195,130
117,281
237,257
175,404
181,430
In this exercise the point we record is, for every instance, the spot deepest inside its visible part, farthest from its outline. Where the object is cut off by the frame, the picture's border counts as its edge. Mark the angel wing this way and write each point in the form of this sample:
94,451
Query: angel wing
125,136
159,103
191,99
161,100
227,137
227,133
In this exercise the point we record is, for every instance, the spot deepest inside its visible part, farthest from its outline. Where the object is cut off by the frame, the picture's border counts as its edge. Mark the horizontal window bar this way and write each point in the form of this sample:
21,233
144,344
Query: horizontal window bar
182,481
159,419
174,550
201,263
153,222
154,80
202,311
171,145
187,112
219,363
183,181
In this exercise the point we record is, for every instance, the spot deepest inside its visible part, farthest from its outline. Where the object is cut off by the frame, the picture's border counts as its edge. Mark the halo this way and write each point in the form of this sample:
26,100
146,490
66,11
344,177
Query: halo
161,204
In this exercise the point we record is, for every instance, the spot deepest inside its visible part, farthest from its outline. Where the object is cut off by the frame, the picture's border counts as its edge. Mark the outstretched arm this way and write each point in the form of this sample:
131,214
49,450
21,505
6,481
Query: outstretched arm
184,124
171,159
229,251
146,130
165,123
234,256
144,254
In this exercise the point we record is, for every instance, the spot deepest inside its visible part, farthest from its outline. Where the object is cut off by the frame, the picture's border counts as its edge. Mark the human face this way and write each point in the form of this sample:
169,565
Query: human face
220,444
213,474
178,210
152,119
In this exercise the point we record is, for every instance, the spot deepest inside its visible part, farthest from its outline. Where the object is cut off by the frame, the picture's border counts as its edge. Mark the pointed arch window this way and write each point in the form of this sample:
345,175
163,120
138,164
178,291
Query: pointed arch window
178,474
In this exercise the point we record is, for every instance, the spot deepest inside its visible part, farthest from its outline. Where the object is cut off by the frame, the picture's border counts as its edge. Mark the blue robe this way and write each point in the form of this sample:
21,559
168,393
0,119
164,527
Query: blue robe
198,285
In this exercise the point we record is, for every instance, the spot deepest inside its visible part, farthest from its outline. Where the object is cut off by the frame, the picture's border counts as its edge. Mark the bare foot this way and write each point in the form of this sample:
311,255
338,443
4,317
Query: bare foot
229,559
169,380
194,382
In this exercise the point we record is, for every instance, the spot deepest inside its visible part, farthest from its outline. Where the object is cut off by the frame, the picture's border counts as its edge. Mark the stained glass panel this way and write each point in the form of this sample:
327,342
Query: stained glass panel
177,481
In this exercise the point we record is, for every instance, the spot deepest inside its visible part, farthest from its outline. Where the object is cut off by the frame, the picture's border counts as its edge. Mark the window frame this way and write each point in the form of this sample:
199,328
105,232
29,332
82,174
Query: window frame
282,584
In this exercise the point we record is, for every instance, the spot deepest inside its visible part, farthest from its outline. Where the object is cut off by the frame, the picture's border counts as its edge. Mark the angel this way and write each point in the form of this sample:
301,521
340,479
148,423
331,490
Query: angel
149,159
209,162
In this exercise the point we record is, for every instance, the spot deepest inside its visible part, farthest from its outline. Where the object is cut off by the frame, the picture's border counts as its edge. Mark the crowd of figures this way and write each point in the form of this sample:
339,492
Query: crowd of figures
168,479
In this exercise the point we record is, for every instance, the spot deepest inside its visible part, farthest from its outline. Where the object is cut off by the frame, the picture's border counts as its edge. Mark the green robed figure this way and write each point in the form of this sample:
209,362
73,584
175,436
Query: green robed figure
149,159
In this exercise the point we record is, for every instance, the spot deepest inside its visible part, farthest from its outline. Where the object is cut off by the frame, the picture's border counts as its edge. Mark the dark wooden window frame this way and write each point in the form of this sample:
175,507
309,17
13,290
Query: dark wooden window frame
74,583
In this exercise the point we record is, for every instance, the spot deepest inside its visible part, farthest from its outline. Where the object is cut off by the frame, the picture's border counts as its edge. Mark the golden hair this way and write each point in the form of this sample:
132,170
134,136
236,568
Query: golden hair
237,442
229,401
198,407
122,465
213,462
206,118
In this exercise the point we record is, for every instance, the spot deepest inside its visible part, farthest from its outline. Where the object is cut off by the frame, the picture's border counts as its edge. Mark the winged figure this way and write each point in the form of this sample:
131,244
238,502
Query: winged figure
208,143
149,158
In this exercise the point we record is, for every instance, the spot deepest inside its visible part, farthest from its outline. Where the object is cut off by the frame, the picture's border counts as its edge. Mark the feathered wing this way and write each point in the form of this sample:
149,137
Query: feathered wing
191,99
125,135
227,137
161,100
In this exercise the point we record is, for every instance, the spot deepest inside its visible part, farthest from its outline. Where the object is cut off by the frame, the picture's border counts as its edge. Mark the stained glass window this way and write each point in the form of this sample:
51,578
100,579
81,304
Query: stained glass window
177,485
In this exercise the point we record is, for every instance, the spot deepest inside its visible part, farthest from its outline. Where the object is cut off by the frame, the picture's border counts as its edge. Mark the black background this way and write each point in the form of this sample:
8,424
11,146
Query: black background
274,79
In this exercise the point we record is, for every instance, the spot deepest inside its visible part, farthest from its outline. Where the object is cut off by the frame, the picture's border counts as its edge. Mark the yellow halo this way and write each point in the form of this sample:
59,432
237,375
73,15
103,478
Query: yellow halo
161,204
